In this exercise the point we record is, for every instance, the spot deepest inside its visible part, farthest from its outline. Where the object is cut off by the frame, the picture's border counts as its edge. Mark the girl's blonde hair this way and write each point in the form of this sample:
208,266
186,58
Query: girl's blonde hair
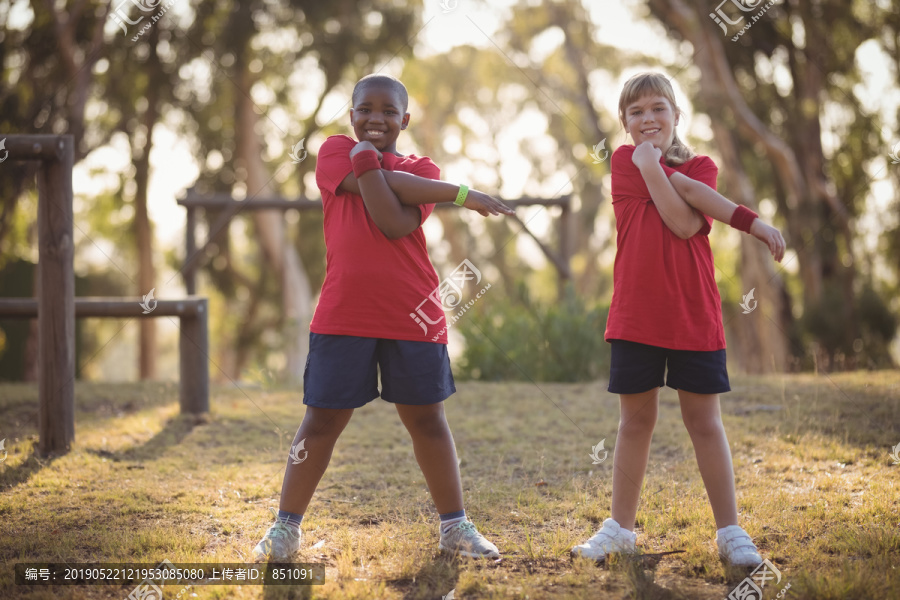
646,84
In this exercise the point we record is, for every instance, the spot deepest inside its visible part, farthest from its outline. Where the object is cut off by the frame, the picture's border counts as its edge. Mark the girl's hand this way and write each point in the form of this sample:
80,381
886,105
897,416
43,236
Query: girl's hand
485,205
769,236
363,146
646,155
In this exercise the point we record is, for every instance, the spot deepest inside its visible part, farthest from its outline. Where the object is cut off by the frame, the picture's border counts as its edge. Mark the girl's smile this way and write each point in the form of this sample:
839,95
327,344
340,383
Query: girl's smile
651,119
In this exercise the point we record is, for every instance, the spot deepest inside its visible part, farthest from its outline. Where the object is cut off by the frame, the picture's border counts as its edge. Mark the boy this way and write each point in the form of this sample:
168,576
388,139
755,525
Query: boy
378,271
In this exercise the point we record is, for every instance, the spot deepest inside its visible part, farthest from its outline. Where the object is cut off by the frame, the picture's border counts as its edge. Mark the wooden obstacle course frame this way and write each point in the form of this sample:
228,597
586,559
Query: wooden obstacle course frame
55,305
193,338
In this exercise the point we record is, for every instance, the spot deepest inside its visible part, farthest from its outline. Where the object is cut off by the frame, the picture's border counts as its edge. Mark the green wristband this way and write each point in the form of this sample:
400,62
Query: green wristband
461,195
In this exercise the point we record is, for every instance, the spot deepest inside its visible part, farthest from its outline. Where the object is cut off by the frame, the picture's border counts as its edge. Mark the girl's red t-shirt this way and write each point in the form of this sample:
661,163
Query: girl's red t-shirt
664,287
374,286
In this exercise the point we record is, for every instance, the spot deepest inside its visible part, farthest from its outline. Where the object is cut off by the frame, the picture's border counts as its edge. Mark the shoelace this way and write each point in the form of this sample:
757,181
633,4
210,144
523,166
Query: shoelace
466,527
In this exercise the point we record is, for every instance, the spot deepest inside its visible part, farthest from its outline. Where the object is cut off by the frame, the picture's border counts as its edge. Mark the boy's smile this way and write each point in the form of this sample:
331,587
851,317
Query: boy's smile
651,119
379,117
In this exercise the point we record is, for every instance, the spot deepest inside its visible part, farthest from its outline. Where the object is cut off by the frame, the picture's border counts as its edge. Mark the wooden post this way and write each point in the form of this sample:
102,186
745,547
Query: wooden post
565,246
190,247
56,291
193,344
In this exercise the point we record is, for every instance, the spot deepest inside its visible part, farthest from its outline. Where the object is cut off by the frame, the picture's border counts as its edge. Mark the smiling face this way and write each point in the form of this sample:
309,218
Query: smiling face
378,116
651,118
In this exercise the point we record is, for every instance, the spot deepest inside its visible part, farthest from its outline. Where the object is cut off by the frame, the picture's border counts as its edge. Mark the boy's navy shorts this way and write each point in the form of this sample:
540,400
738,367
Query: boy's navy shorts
637,368
342,371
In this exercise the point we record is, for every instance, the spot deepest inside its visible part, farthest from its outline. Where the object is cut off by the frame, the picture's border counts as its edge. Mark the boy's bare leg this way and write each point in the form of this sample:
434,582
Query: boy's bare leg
703,419
636,425
320,428
435,453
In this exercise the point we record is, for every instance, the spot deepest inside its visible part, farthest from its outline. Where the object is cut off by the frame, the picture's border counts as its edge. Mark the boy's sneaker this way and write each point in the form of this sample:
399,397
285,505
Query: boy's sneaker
463,539
736,547
279,544
610,539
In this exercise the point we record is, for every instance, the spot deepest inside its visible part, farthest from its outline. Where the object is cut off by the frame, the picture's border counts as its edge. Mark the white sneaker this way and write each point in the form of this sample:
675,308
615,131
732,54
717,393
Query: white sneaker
463,539
611,538
736,547
279,544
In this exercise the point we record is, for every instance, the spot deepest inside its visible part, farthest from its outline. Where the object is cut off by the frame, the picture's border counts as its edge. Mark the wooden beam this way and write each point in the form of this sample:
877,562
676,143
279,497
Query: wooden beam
37,146
193,342
123,308
56,291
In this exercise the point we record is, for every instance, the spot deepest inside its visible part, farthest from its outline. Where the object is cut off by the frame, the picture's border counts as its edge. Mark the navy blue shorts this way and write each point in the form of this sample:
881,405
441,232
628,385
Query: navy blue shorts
636,368
342,371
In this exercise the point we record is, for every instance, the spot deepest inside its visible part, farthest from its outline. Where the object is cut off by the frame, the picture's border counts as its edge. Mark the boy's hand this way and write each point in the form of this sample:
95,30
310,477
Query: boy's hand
485,205
646,155
362,146
770,236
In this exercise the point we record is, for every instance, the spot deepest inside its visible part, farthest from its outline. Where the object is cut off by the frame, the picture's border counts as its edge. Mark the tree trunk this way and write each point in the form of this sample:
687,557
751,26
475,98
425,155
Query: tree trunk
142,227
280,253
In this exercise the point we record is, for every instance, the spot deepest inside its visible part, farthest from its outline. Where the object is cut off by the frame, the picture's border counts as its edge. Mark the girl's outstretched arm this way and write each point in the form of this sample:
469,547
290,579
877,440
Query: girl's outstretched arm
710,202
677,214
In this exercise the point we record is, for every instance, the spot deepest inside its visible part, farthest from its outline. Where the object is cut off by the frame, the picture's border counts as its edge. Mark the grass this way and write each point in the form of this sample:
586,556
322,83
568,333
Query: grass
817,490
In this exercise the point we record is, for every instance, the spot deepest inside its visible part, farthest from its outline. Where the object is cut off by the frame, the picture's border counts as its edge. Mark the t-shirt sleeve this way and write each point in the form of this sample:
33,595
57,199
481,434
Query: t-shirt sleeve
426,168
626,177
333,163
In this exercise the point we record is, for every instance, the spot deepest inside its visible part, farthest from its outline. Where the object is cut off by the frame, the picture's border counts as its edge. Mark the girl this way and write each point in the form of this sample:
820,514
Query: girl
666,312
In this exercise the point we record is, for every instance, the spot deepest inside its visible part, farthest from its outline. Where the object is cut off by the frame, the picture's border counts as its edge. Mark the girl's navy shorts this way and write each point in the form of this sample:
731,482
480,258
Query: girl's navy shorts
342,371
637,368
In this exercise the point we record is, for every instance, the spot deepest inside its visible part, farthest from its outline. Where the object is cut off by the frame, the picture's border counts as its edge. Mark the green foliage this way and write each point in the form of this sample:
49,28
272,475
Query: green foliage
536,341
866,347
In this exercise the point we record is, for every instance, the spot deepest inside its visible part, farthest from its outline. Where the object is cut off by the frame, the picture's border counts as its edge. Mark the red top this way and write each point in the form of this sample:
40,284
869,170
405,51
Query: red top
373,284
664,287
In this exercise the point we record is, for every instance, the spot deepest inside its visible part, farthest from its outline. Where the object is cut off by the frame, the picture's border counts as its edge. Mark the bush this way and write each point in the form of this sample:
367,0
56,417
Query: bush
531,341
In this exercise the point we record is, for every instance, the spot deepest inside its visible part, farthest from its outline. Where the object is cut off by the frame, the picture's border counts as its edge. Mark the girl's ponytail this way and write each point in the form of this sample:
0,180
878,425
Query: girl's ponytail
679,152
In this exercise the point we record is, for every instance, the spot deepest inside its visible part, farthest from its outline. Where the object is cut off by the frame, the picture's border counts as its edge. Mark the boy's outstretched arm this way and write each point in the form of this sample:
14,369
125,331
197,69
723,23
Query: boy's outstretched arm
393,218
412,190
708,201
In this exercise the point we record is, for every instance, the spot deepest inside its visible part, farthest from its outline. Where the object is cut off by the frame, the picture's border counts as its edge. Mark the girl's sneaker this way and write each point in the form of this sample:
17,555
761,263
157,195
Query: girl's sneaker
736,547
611,538
464,540
279,544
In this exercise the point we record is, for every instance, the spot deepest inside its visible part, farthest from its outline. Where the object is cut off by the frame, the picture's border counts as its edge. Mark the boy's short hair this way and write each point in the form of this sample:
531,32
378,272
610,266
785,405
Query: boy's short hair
376,79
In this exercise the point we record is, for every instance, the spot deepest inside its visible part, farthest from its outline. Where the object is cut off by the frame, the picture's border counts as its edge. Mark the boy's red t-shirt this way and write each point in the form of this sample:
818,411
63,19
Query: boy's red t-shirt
664,287
372,283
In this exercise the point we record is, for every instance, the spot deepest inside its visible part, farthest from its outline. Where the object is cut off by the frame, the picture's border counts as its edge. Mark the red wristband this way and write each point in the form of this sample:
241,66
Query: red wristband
365,161
743,218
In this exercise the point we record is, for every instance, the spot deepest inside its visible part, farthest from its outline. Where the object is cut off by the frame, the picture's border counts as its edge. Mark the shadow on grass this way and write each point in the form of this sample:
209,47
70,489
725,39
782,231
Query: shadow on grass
435,579
173,433
13,476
